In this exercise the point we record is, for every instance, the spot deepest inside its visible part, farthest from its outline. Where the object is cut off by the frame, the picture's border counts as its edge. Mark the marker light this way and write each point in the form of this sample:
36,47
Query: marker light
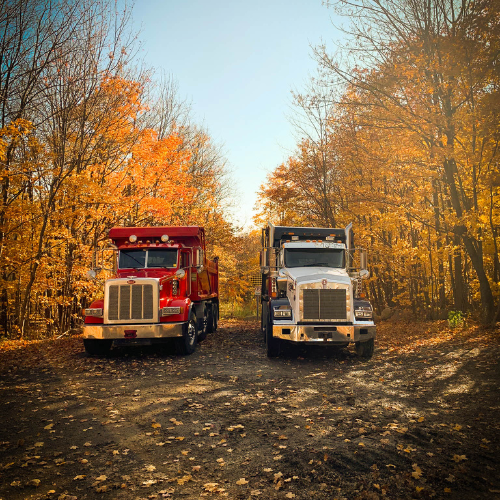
164,238
132,238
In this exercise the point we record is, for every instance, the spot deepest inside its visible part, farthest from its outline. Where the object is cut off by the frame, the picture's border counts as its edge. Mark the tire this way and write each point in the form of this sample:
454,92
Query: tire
215,318
203,325
212,318
97,347
365,349
187,343
272,344
263,321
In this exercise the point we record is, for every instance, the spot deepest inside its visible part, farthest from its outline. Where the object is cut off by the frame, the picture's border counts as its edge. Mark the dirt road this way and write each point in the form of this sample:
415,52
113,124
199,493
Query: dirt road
419,420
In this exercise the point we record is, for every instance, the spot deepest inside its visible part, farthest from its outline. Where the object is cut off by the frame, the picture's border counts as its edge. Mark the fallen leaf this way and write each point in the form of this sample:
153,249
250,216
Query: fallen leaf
184,479
242,481
417,471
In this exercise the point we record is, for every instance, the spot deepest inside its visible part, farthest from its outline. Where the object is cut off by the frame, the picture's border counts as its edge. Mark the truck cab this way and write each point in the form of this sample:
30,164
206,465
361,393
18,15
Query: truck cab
312,290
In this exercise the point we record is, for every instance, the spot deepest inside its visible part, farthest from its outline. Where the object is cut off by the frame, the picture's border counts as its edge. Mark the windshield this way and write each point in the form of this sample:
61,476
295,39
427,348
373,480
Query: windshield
314,257
157,257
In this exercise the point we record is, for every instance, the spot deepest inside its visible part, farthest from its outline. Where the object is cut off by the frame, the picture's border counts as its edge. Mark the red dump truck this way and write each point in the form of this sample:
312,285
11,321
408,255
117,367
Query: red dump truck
164,288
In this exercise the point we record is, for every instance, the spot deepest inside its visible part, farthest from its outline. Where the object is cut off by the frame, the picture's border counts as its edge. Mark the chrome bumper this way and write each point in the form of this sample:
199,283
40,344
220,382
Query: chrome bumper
341,334
115,332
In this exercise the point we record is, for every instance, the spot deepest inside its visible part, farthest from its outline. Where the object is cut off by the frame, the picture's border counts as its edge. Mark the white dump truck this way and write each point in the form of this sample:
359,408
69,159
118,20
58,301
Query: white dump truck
312,289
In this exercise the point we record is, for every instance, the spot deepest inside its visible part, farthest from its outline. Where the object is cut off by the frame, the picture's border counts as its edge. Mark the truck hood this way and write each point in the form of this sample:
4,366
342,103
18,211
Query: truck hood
311,274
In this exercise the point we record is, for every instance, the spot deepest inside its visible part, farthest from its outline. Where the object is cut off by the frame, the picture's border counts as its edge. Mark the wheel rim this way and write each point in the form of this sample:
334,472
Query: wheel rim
191,333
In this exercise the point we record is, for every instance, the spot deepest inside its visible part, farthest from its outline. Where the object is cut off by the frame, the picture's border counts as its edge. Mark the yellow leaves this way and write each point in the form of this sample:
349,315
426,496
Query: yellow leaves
155,425
234,427
213,488
184,479
242,481
417,472
459,458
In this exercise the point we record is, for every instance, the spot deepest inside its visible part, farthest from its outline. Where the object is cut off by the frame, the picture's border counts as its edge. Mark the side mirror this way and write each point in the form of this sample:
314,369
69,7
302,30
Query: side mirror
91,274
364,274
180,273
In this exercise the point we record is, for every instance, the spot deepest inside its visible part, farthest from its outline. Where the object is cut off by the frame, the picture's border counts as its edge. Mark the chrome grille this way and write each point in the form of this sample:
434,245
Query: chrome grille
324,304
130,302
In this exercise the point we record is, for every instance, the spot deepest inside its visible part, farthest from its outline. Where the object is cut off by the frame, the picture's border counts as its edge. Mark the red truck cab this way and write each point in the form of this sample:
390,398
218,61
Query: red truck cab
164,288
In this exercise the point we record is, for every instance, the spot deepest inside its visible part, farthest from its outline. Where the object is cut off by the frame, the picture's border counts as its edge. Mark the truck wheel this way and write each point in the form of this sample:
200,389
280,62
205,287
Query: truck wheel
203,327
212,318
272,344
215,317
187,343
98,347
365,349
263,321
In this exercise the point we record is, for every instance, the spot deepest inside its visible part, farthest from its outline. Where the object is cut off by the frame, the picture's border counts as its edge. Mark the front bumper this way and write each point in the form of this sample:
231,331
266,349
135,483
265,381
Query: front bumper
142,331
331,334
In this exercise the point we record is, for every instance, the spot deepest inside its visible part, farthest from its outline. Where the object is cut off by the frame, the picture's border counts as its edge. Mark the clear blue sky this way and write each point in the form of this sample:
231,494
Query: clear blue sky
236,62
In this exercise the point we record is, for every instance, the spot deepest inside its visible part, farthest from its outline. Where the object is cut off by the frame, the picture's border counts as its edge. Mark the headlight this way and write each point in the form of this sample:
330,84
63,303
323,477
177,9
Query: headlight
94,311
168,311
282,313
363,312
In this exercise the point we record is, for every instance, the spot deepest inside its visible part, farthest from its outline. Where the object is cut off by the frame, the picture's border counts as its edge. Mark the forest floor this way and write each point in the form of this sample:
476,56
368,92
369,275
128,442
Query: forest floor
419,420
